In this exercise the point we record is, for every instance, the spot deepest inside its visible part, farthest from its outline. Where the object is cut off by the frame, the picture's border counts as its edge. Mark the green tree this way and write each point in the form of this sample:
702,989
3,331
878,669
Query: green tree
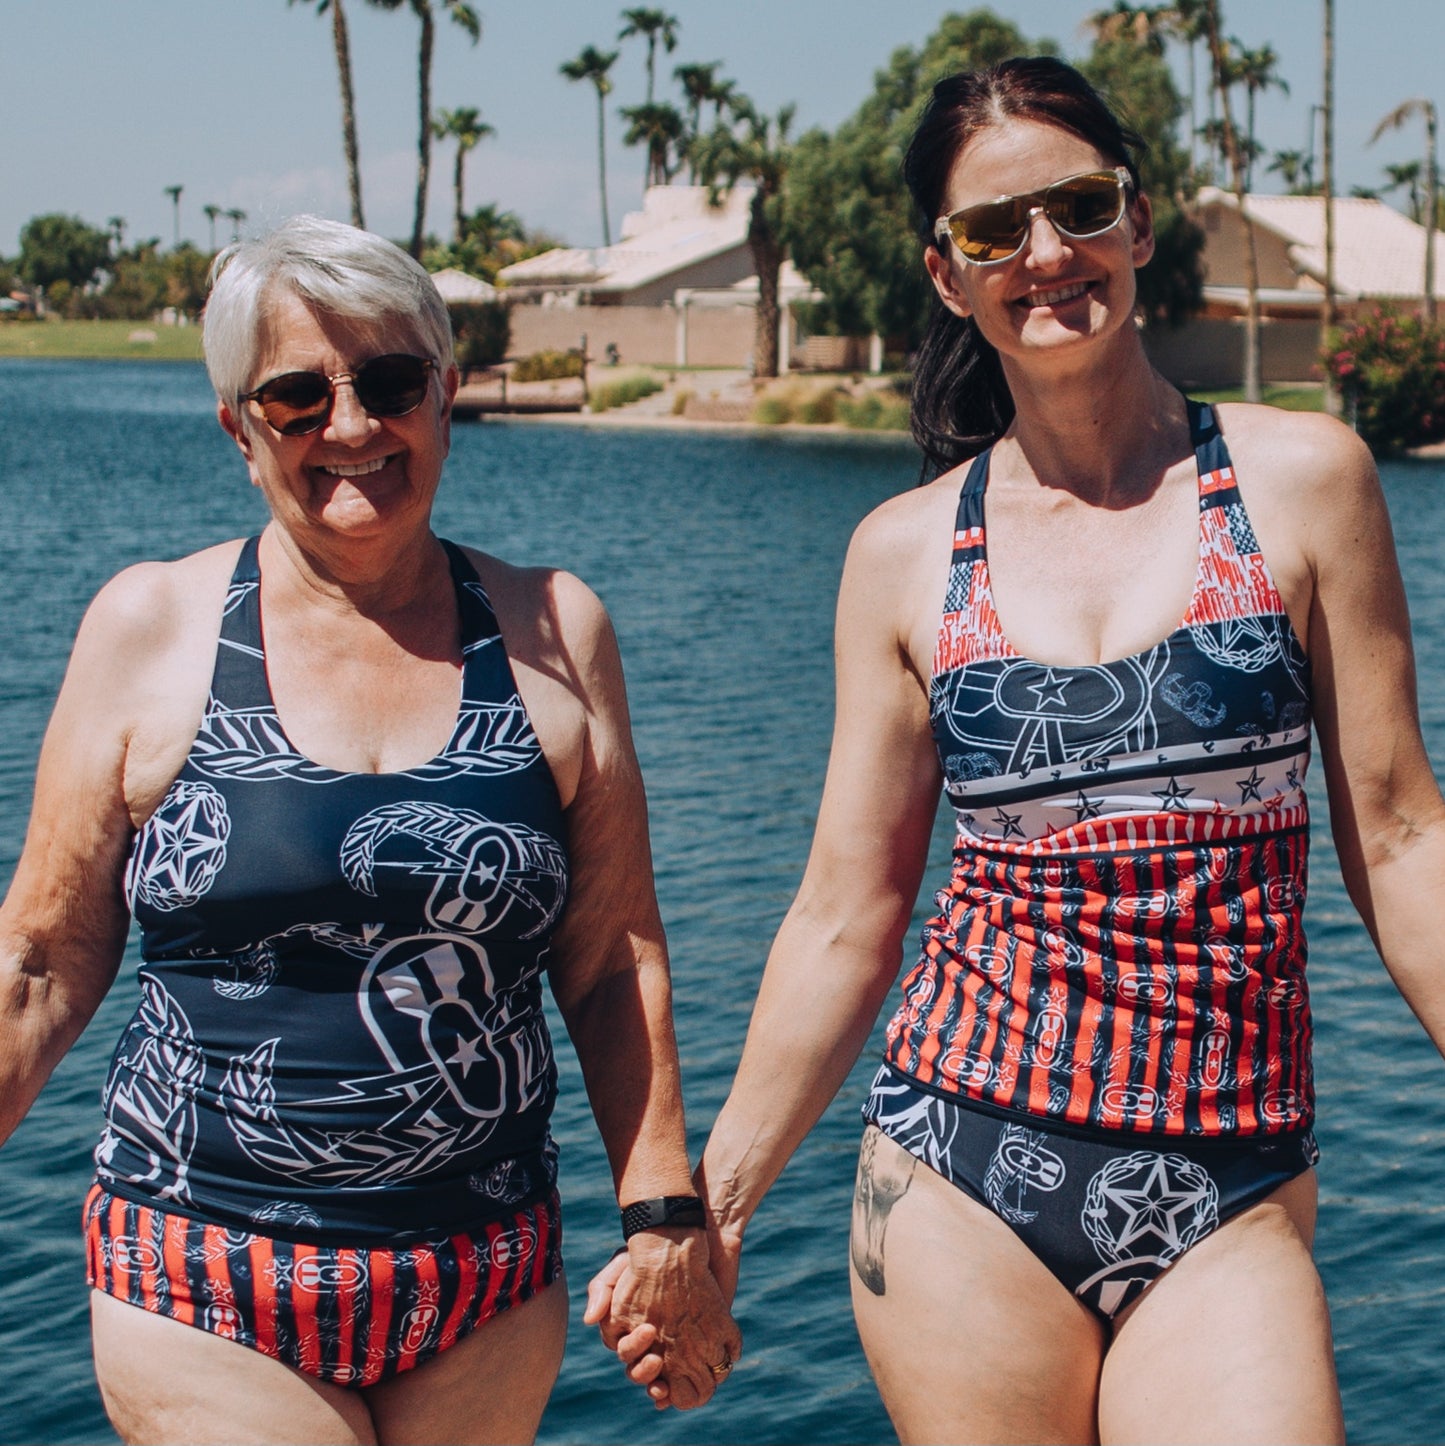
469,130
850,226
660,128
341,44
1255,70
699,85
1397,118
1292,167
655,25
756,149
425,11
211,212
174,192
593,65
1137,82
55,248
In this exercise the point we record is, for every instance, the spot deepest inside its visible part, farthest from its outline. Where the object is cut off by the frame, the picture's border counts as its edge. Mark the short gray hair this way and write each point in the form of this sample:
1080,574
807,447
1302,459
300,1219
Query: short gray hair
338,269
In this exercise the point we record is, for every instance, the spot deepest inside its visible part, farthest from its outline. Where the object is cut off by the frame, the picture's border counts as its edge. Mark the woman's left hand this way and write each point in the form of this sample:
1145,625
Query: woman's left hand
658,1306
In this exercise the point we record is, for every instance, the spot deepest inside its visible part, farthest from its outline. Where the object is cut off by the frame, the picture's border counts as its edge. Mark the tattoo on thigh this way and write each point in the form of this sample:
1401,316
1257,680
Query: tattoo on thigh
880,1186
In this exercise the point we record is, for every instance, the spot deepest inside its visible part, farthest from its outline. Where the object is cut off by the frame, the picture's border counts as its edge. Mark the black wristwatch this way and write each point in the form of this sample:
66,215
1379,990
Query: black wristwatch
662,1210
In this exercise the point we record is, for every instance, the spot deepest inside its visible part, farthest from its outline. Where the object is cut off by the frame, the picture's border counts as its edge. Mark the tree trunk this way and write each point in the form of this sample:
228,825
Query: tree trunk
457,178
342,42
1252,392
1431,203
1327,310
602,165
768,260
423,169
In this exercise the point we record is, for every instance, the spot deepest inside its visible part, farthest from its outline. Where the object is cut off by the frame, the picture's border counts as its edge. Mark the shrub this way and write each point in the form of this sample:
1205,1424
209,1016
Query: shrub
482,331
619,393
1390,370
874,413
819,409
548,366
680,399
772,411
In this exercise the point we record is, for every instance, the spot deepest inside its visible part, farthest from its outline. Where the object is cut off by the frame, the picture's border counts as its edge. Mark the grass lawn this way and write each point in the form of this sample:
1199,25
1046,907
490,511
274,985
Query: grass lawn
100,339
1305,397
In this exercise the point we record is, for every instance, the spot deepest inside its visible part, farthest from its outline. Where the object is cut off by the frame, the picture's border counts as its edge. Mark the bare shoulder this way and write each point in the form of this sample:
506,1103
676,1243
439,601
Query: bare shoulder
548,616
908,522
136,686
152,606
896,574
1311,455
564,658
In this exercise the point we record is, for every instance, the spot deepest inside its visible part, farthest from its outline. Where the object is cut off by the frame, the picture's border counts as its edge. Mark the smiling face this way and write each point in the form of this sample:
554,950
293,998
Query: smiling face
359,476
1057,290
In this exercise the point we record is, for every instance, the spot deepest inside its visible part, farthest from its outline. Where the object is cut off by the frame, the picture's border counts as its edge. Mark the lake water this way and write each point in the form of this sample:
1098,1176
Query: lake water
718,556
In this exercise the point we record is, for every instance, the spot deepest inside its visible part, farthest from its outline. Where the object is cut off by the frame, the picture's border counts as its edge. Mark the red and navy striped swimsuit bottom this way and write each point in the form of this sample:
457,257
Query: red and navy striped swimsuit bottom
1106,1216
349,1317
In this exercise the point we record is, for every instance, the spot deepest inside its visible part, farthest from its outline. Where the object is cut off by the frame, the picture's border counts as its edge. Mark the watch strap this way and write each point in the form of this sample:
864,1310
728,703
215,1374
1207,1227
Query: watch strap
686,1210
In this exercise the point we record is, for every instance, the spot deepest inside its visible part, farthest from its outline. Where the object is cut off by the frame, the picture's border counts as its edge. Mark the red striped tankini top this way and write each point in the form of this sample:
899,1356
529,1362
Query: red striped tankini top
1119,946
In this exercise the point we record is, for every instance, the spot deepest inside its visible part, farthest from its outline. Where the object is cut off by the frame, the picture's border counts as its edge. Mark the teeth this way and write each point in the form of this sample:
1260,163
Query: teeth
1053,298
360,469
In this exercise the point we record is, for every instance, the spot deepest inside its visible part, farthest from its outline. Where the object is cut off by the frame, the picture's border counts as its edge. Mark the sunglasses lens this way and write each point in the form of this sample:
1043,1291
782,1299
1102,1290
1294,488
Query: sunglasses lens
393,385
992,231
296,403
1085,205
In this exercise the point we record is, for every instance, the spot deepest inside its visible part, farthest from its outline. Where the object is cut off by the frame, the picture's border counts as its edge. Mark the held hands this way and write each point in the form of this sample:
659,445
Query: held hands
658,1305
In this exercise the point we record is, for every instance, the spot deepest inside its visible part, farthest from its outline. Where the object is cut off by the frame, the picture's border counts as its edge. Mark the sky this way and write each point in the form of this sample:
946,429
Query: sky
105,103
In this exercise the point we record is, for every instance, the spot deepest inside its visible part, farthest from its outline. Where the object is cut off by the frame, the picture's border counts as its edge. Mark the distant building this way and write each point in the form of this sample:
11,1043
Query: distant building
678,288
1379,253
1379,256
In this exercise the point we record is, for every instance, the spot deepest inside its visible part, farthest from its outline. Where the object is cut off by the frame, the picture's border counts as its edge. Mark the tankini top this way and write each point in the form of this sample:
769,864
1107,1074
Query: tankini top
340,1036
1119,947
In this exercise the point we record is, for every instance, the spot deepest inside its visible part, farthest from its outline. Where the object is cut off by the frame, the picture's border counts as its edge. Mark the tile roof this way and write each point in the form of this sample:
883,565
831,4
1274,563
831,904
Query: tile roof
1378,251
676,228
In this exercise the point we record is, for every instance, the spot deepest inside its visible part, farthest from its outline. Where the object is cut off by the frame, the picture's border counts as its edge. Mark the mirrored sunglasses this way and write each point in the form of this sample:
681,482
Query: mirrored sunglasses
1077,207
386,386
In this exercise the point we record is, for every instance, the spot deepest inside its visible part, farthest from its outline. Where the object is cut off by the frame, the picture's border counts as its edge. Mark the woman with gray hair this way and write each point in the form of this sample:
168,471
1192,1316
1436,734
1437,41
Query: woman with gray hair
360,788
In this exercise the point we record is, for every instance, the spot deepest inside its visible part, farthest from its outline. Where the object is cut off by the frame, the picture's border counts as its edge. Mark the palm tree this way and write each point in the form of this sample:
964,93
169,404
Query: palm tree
116,227
593,65
235,215
1407,175
659,128
699,83
1327,309
1220,58
211,212
1290,165
341,43
1397,118
1256,70
756,150
469,130
655,25
174,192
463,15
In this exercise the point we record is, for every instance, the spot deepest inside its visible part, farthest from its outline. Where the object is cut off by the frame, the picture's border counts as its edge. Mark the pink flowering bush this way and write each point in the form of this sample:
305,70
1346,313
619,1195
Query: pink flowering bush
1389,368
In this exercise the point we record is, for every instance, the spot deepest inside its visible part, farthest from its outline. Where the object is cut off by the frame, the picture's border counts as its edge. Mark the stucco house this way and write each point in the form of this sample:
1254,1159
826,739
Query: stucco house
678,288
1379,256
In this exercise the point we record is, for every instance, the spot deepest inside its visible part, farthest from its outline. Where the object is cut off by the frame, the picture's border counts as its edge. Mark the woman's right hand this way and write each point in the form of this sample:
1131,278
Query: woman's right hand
660,1307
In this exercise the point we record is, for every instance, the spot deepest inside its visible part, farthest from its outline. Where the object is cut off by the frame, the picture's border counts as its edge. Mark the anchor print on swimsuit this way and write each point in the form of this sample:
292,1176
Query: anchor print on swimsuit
1103,812
387,1061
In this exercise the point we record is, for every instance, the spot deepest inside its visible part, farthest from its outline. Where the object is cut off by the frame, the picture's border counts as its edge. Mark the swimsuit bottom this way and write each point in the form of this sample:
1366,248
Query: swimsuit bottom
1107,1215
350,1317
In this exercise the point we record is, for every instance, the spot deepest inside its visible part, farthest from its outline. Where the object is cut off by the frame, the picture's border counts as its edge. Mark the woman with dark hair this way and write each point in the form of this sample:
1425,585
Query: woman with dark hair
1104,630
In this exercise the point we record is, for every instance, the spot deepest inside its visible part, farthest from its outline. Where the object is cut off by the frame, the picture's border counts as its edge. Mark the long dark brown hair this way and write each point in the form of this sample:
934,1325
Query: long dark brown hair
961,400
